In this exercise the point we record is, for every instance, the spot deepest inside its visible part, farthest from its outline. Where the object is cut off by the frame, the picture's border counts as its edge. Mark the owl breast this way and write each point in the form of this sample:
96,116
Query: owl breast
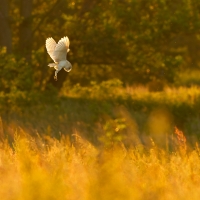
62,63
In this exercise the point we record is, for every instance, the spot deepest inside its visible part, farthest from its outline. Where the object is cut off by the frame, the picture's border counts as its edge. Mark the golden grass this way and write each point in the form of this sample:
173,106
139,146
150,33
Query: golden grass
45,168
113,89
169,94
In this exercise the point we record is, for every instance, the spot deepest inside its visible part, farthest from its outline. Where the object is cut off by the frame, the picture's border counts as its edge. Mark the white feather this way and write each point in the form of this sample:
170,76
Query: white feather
58,52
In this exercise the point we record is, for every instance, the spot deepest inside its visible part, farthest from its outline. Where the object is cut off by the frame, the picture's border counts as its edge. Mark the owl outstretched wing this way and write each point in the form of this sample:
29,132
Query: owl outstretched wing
61,49
50,46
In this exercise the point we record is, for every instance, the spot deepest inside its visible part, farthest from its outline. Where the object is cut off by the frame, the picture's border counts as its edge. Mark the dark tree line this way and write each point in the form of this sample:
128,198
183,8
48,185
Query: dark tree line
134,40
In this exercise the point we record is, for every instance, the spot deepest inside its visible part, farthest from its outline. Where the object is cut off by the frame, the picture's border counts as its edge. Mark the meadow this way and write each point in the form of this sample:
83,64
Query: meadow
104,141
123,124
43,167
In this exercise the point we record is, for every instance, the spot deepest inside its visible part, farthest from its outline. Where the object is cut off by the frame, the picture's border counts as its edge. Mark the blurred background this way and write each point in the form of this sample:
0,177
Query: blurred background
135,62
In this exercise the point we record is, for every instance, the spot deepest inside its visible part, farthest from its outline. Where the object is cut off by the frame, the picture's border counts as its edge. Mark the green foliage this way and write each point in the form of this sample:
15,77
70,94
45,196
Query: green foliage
139,41
16,74
18,89
188,78
103,90
16,80
114,134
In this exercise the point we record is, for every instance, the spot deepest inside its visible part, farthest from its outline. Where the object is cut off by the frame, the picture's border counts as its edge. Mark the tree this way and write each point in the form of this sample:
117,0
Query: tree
25,28
5,33
135,41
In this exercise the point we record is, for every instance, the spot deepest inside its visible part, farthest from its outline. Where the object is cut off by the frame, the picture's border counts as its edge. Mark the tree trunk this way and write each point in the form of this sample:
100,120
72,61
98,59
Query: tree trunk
25,33
5,33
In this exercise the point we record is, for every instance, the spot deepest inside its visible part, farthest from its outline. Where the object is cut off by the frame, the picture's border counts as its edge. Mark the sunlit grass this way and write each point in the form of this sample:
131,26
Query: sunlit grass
47,168
188,77
114,89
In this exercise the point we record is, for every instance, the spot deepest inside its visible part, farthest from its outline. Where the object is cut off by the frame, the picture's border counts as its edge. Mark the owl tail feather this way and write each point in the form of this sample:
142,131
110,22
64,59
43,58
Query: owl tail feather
52,64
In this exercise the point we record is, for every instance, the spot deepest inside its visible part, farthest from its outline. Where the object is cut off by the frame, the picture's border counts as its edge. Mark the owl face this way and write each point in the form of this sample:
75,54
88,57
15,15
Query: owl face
68,68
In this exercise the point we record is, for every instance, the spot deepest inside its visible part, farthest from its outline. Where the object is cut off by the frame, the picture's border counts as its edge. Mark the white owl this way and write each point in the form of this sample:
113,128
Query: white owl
58,52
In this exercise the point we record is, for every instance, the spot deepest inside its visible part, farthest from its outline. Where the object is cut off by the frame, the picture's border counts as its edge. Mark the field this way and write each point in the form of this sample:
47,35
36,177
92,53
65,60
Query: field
105,141
123,124
47,168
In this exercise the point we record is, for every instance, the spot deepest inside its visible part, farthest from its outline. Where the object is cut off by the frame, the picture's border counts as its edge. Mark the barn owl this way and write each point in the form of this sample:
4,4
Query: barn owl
58,52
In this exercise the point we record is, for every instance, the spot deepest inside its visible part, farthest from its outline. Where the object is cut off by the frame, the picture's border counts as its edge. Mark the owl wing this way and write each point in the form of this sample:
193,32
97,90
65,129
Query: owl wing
50,46
61,49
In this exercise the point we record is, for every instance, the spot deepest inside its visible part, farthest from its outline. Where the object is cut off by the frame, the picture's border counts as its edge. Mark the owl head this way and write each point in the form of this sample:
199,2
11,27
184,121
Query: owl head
68,67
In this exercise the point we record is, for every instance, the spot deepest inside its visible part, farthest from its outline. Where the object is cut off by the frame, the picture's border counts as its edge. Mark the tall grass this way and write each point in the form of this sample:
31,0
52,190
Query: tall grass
46,168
